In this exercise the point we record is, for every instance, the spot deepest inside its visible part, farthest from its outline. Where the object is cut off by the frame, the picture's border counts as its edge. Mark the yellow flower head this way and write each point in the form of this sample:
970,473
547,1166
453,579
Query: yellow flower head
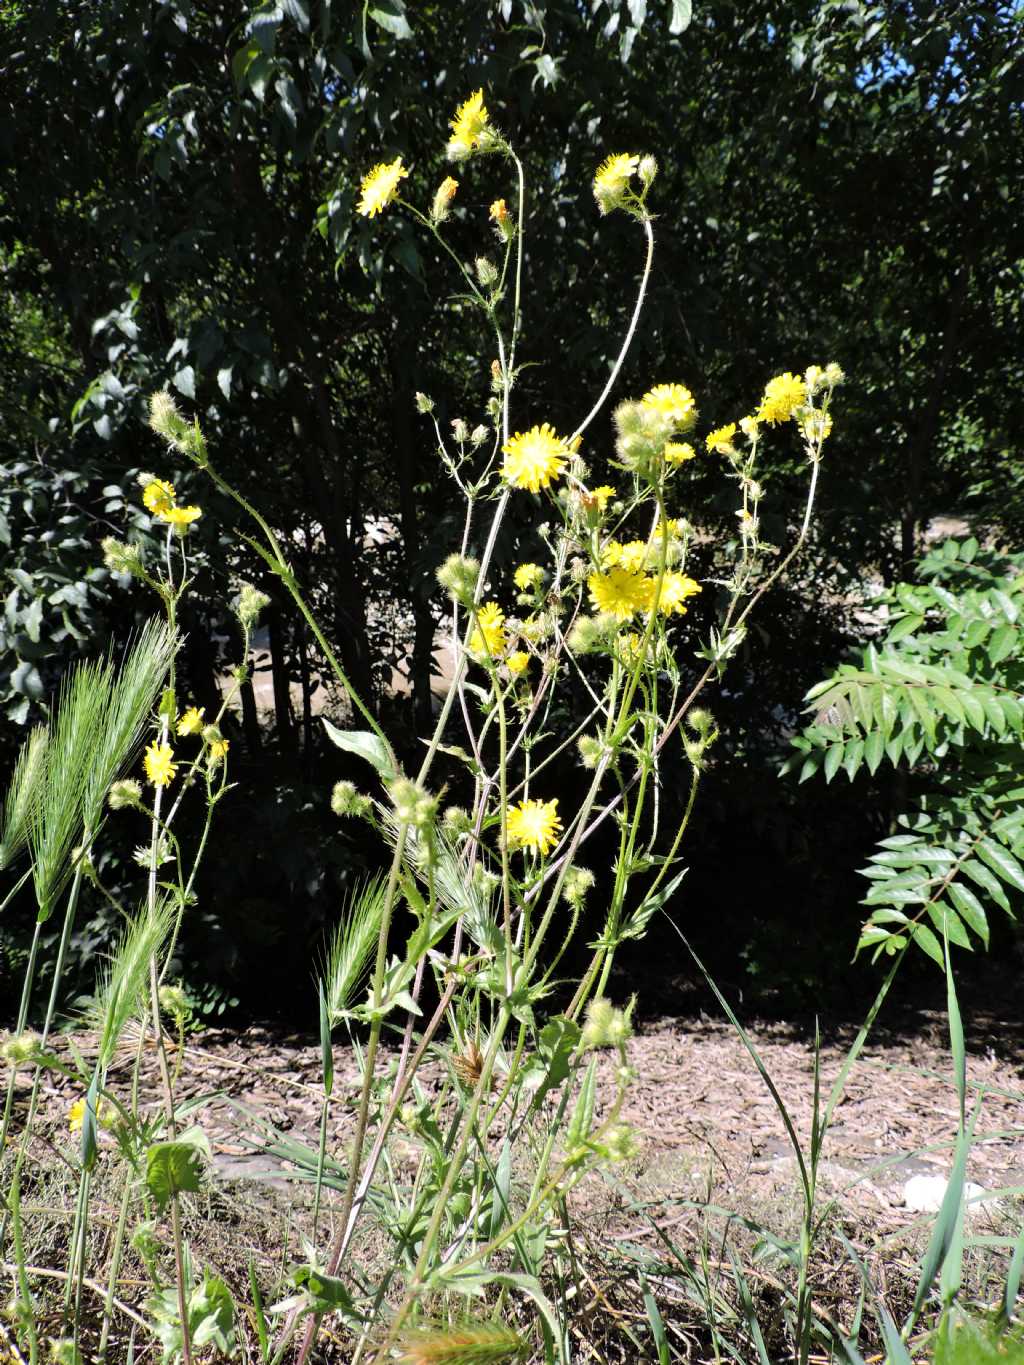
443,196
158,496
674,401
678,452
533,458
180,517
618,593
816,426
720,440
782,396
160,765
448,188
499,212
380,186
527,576
632,556
76,1114
675,589
534,825
218,748
471,118
518,662
603,496
612,180
192,721
488,637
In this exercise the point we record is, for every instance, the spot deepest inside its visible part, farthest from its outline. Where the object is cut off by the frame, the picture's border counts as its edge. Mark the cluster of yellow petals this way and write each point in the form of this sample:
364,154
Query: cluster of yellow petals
527,576
612,179
160,765
622,592
518,662
674,401
678,452
720,440
534,825
191,722
380,186
471,118
533,458
159,498
782,396
488,637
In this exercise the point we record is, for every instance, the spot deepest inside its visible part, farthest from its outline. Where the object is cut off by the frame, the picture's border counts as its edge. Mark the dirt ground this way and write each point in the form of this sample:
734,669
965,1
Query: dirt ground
704,1113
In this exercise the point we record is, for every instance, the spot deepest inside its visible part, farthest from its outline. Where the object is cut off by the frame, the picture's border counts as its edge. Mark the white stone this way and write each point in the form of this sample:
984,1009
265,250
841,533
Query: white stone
925,1193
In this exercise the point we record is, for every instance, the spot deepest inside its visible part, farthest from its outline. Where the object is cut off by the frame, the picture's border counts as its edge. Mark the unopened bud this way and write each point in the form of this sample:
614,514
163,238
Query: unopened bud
486,271
458,575
125,794
459,430
578,881
647,170
251,602
424,404
346,800
120,557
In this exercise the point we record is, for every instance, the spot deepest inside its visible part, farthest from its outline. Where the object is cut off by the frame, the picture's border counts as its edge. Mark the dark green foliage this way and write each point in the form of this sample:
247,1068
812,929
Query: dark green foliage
940,695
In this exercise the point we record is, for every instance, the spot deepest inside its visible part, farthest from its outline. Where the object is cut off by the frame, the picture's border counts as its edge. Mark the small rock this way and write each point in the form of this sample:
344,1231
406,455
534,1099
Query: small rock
925,1193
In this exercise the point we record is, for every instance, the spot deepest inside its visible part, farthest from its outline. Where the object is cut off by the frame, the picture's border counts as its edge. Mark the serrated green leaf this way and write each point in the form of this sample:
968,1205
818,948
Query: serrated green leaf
904,627
984,878
1002,643
926,940
833,758
852,757
364,743
874,749
970,909
1002,861
171,1168
947,922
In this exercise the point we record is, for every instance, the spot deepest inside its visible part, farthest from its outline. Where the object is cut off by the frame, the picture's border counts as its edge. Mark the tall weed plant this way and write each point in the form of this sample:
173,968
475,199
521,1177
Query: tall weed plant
453,953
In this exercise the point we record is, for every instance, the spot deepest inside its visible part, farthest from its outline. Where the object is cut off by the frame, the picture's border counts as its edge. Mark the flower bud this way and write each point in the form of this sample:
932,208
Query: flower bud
833,375
20,1049
251,602
458,575
647,170
120,557
168,422
479,435
443,197
125,795
174,1001
620,1143
605,1025
413,806
457,821
459,430
590,750
578,881
347,800
424,404
486,271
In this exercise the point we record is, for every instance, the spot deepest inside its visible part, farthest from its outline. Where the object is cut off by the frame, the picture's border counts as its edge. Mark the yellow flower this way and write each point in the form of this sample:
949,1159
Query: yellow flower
192,721
443,196
675,589
631,646
720,440
603,495
678,452
160,765
180,516
632,556
448,188
380,186
518,662
470,120
218,748
534,825
674,401
782,396
527,576
158,496
76,1115
618,593
612,180
499,211
533,458
816,426
488,637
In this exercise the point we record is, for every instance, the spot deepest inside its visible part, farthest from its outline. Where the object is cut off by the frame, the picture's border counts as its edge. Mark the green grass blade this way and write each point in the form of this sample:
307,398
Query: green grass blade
353,944
747,1304
657,1325
121,990
1013,1276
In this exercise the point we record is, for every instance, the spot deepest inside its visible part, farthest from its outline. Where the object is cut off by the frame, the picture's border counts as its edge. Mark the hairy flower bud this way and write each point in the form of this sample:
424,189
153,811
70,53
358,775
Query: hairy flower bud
606,1025
125,794
578,881
20,1049
457,821
424,404
458,575
251,602
120,557
413,806
347,800
486,271
443,197
647,170
833,374
174,1001
590,750
459,430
